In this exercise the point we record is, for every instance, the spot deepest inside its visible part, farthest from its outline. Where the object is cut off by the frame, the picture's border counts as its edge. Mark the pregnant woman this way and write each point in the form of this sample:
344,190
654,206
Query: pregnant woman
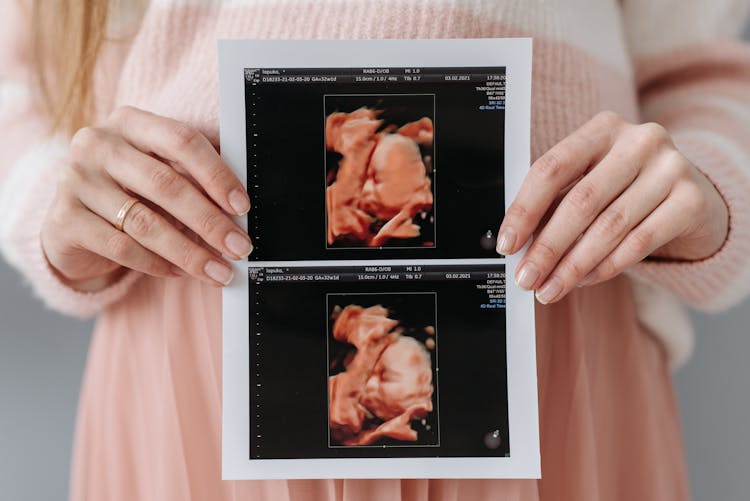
115,202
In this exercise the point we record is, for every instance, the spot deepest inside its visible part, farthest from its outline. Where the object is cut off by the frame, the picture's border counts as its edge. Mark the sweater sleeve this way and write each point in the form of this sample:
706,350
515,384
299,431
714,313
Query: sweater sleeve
30,158
693,77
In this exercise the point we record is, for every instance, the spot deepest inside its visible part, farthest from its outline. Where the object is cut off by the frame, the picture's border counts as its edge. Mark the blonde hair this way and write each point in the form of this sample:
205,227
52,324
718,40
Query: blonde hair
66,38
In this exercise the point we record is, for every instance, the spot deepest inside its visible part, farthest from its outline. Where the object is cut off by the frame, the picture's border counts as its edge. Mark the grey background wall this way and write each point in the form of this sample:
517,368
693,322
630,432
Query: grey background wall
42,357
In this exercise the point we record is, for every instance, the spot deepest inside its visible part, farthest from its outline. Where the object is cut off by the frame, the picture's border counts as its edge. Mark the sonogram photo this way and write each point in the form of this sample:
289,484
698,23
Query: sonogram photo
380,187
382,370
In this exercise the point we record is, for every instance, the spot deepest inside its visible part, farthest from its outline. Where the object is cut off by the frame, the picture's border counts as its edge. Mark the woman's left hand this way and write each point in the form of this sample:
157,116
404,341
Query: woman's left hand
605,198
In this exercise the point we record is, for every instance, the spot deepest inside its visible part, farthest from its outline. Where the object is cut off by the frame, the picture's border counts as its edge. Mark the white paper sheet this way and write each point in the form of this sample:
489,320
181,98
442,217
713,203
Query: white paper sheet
280,405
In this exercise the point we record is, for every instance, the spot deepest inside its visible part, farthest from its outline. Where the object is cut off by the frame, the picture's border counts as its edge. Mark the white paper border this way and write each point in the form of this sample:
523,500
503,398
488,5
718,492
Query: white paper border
515,55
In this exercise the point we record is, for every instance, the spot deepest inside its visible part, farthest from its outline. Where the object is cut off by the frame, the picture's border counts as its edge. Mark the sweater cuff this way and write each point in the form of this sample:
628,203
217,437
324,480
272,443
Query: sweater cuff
723,279
665,317
25,199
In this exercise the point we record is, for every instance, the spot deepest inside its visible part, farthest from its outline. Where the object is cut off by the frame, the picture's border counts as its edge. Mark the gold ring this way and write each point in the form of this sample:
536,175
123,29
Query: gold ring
123,212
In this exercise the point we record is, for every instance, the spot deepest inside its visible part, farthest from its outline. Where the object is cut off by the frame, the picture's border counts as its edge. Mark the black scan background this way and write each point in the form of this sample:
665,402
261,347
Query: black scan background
292,370
287,187
397,110
414,311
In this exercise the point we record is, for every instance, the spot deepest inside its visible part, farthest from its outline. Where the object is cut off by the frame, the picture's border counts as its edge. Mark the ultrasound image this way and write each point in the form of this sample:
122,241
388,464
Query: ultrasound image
381,388
379,171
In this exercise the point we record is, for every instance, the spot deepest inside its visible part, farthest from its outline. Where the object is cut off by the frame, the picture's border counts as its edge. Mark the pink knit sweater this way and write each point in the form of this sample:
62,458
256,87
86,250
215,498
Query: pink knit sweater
150,407
666,61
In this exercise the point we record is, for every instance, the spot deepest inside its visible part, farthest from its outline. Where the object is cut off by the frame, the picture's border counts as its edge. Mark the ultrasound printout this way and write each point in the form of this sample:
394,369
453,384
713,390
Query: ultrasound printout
392,163
372,331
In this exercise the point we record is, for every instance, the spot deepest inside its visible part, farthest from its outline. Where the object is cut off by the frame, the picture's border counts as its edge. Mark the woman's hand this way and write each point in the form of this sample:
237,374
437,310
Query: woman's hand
605,198
181,223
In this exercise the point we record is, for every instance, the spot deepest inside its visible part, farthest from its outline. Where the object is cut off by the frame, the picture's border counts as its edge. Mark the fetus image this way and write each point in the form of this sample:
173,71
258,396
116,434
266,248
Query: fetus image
384,384
379,187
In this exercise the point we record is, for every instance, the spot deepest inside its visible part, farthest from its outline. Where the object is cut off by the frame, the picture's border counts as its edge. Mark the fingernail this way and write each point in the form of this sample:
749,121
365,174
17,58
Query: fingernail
527,276
239,244
239,201
218,272
549,291
506,241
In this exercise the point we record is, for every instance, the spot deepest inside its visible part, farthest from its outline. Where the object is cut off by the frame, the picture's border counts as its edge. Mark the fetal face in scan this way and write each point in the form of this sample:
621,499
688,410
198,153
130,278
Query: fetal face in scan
386,383
381,183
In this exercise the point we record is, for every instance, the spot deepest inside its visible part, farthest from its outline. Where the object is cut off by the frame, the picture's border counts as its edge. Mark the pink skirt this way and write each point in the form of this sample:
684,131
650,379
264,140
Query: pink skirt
149,422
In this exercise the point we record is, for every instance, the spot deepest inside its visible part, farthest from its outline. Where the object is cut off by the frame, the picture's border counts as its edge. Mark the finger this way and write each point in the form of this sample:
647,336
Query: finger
101,238
578,208
181,143
162,185
606,232
189,234
668,221
153,232
166,215
549,174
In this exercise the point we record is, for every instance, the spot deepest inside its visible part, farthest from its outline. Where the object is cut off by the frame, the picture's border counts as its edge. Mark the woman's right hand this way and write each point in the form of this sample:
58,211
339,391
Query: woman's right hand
181,223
